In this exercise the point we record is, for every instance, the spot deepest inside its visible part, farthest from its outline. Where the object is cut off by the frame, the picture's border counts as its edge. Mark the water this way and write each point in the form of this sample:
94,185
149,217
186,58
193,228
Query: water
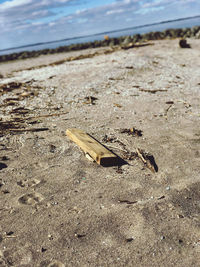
185,23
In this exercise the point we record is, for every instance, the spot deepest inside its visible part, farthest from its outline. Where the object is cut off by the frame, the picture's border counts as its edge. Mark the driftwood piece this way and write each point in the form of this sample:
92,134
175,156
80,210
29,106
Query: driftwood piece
92,147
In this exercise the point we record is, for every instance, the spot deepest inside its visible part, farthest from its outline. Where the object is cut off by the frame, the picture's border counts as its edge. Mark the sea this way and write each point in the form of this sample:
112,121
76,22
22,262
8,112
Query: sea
172,24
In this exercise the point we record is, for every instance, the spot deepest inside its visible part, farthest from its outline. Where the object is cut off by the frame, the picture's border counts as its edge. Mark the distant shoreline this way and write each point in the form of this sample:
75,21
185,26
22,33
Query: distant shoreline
193,32
101,33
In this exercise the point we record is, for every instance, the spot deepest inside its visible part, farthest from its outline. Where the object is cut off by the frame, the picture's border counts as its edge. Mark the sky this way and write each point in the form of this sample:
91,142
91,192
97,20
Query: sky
25,22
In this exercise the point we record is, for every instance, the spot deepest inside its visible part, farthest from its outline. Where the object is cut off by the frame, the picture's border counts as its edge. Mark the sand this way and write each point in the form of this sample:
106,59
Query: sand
57,208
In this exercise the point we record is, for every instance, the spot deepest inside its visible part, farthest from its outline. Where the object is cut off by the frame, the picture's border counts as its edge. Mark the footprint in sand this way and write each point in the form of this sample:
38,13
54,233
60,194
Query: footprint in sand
3,165
2,260
28,183
16,257
30,199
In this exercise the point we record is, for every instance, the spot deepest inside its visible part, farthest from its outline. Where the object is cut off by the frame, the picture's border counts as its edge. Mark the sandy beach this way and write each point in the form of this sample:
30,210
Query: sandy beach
57,208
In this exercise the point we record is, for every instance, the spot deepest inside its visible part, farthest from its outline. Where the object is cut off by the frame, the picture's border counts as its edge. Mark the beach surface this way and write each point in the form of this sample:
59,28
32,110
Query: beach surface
57,208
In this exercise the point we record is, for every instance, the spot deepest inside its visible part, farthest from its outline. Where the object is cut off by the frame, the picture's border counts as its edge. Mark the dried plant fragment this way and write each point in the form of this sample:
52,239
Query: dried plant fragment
117,105
132,131
129,155
152,91
127,201
4,88
107,139
90,100
20,110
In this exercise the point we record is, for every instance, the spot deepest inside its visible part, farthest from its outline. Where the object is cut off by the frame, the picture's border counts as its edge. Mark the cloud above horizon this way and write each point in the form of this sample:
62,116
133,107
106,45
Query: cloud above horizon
31,21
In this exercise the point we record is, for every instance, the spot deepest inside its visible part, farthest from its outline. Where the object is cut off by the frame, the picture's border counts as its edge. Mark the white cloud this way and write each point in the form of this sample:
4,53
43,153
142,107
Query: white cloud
15,3
40,13
51,24
117,11
37,23
37,19
78,12
149,10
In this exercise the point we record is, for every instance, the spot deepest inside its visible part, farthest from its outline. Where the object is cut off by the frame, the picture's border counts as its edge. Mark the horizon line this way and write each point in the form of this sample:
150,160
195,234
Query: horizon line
95,34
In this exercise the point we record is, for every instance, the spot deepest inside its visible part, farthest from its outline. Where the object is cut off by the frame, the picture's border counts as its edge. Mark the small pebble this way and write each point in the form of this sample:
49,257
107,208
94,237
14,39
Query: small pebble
5,192
48,205
79,235
9,233
54,203
130,239
50,237
52,148
168,188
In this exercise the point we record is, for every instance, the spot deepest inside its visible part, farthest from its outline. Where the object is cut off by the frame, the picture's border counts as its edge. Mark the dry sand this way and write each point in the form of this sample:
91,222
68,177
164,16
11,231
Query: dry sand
59,209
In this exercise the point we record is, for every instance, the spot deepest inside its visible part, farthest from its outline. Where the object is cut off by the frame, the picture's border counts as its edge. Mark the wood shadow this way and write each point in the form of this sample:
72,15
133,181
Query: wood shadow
109,161
152,162
115,161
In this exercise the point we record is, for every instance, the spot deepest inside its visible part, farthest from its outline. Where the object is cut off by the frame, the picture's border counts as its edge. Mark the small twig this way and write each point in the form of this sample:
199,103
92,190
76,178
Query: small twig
141,156
152,91
166,111
29,130
127,201
52,166
123,141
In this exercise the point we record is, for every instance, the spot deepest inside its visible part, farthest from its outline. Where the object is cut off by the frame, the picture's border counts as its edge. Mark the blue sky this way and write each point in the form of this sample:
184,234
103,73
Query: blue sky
31,21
